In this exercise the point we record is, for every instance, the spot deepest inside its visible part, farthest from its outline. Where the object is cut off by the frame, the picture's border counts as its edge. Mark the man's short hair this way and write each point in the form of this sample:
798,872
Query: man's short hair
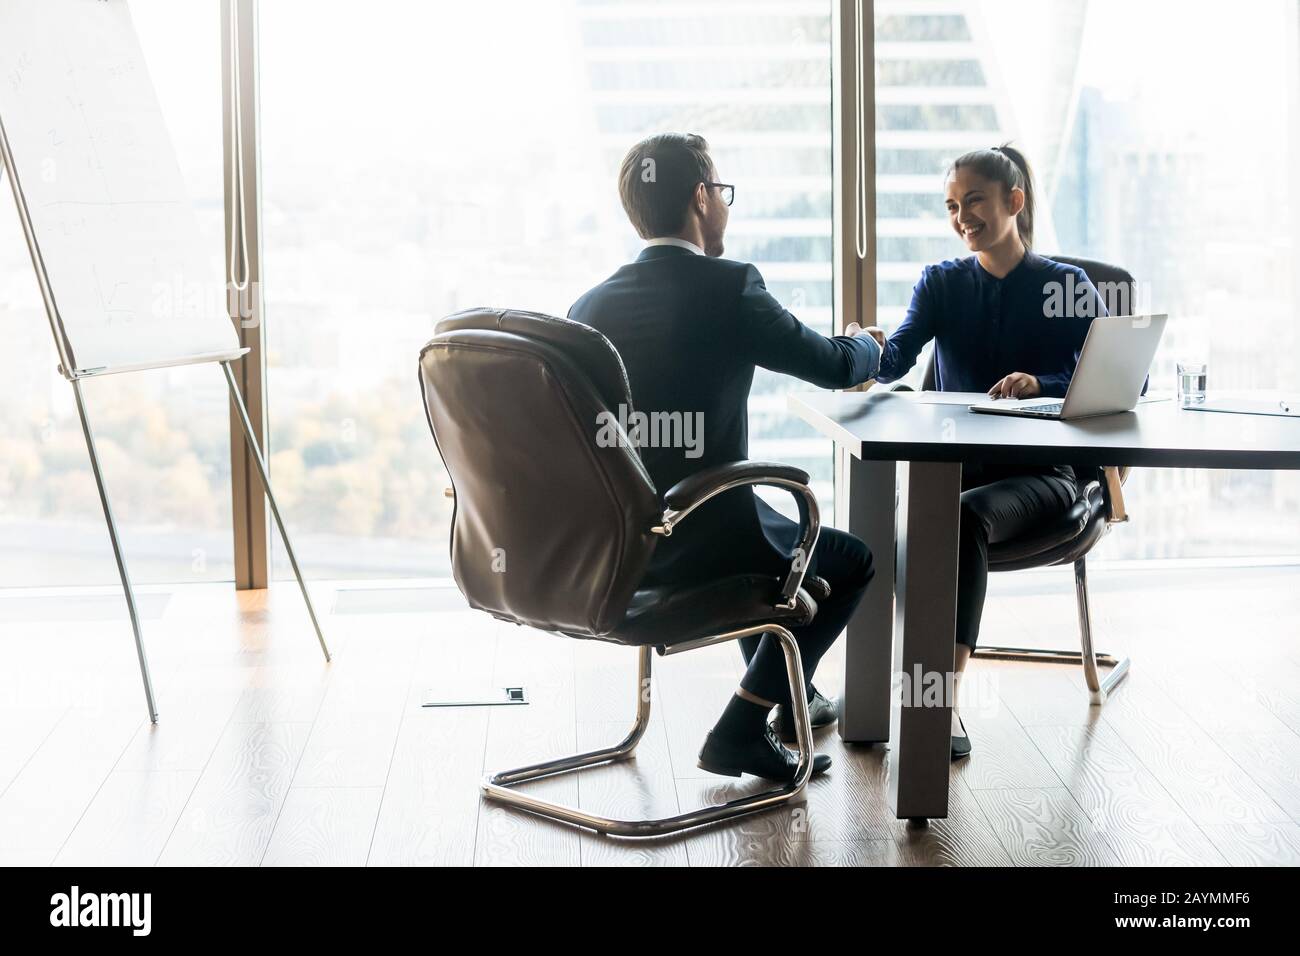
658,178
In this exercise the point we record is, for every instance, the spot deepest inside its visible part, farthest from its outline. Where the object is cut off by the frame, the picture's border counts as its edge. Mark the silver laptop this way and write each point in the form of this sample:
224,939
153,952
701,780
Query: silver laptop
1113,364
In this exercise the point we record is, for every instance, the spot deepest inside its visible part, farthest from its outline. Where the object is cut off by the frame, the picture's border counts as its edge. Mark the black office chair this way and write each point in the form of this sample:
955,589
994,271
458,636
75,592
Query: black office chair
554,528
1068,539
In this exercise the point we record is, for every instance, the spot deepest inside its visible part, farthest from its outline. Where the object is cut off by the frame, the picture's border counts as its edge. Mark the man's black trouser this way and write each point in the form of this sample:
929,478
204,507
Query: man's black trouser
997,504
844,563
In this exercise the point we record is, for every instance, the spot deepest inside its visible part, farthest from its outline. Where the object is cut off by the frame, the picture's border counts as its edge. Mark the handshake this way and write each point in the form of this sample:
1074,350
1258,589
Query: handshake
875,331
1015,385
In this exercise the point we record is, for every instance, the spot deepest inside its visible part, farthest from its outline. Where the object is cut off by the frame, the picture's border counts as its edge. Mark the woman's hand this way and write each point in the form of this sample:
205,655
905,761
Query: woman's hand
1016,385
875,331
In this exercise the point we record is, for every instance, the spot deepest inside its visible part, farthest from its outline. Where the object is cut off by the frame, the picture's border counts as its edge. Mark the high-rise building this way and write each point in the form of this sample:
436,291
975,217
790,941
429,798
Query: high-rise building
755,80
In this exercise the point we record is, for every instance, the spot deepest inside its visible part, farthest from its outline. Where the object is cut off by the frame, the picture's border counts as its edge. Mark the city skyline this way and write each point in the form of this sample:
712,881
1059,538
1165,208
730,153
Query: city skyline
426,213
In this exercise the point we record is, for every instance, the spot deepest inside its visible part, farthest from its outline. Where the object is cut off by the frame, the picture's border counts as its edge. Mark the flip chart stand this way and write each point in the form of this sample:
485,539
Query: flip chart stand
122,572
132,608
85,136
256,452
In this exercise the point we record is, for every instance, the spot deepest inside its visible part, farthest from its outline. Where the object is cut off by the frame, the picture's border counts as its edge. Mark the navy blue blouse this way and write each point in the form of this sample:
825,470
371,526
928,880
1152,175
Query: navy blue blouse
1032,320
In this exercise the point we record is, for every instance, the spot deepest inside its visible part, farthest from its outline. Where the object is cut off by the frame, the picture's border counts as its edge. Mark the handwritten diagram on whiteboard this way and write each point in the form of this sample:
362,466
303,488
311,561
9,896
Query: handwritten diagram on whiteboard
107,216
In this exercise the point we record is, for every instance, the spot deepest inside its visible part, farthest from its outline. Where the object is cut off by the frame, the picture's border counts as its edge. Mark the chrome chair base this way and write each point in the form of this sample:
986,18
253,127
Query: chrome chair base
1035,655
1098,689
498,786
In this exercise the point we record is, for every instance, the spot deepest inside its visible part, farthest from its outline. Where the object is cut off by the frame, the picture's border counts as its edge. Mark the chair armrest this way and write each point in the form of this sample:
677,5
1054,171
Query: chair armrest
1112,486
705,484
691,492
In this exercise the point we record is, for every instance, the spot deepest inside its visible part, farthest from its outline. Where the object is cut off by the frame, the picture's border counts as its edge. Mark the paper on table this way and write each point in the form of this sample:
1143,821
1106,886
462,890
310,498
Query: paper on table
950,398
976,398
1245,406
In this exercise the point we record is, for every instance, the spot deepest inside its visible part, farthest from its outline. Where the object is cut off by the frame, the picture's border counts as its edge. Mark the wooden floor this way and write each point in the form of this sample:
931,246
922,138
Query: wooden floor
266,755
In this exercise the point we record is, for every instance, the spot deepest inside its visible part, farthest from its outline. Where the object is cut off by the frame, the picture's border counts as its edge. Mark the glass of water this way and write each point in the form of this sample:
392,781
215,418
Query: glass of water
1191,383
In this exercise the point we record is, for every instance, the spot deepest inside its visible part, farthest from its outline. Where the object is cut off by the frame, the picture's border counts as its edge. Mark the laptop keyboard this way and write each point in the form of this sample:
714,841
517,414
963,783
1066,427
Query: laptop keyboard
1053,408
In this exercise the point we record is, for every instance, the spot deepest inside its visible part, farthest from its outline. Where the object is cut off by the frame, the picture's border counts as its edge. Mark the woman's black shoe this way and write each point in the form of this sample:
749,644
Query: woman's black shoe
821,711
960,745
762,756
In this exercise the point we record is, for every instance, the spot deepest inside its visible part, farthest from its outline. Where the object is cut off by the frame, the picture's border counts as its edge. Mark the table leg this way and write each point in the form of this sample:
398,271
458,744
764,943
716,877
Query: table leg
869,641
929,511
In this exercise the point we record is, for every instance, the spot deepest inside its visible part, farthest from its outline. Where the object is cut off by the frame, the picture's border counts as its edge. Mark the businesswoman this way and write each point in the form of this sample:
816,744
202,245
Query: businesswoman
994,320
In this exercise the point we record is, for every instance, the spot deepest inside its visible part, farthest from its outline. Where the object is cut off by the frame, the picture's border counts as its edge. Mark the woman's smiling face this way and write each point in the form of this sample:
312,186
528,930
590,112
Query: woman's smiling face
981,211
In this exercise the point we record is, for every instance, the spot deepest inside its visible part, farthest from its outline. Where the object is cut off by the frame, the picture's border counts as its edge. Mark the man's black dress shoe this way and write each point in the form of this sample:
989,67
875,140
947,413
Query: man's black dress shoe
762,756
960,745
823,713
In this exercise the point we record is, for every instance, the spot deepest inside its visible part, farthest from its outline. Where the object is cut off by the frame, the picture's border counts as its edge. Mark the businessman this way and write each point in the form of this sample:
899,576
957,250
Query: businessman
691,328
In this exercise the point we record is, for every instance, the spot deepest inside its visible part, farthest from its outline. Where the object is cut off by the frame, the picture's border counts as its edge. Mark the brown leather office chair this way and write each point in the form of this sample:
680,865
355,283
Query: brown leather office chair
554,527
1068,539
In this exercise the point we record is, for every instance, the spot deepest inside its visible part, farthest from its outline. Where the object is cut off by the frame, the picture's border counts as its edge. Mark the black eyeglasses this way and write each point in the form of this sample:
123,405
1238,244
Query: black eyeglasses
728,191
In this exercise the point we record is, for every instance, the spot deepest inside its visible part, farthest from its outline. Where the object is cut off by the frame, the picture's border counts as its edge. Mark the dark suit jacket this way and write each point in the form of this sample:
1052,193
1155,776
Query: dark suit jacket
690,330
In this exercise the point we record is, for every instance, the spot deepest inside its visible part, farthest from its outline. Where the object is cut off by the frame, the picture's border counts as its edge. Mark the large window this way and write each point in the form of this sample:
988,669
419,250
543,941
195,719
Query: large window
420,159
1164,137
163,435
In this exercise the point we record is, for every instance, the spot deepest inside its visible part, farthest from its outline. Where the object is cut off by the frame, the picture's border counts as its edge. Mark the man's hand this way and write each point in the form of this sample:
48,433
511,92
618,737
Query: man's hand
874,331
1016,385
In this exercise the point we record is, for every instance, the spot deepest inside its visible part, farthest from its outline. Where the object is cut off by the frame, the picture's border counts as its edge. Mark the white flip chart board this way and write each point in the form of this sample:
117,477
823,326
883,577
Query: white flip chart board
100,195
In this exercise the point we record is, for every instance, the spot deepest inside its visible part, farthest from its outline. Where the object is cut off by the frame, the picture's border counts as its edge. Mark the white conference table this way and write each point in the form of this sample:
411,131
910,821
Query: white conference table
915,444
